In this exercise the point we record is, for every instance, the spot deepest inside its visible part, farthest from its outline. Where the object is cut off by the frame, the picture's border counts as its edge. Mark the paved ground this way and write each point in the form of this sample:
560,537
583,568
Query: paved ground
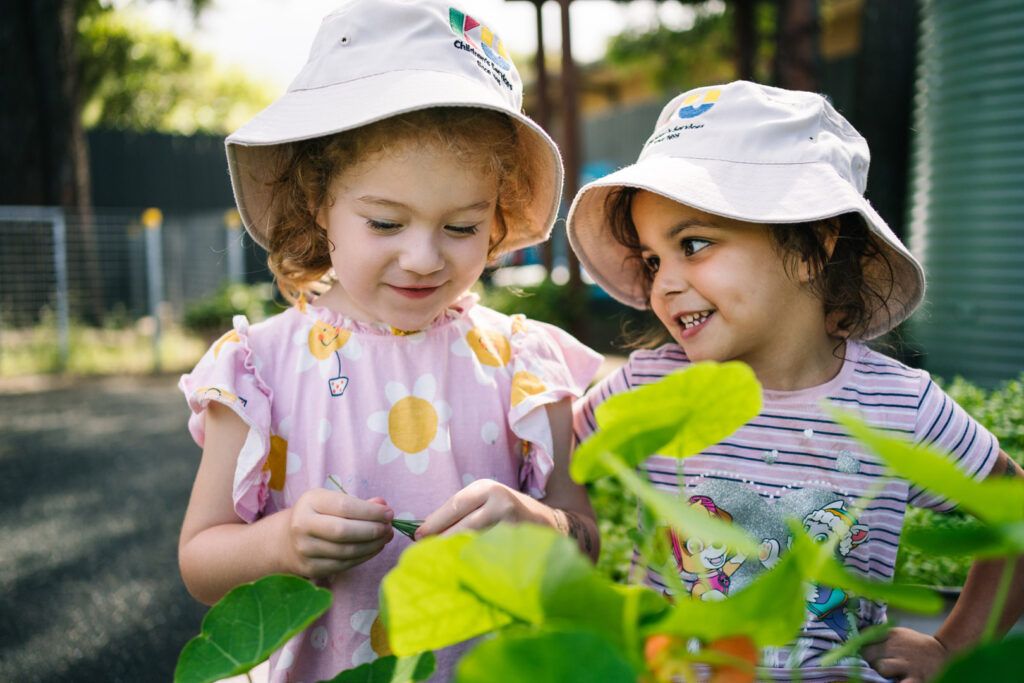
94,478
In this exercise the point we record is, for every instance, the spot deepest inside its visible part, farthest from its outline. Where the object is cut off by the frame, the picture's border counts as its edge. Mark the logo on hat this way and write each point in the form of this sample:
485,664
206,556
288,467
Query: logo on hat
690,109
480,37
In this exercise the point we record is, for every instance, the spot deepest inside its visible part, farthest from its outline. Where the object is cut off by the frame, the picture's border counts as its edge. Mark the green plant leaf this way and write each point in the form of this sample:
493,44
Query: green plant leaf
991,500
999,661
776,597
978,540
551,657
390,669
247,625
677,416
425,605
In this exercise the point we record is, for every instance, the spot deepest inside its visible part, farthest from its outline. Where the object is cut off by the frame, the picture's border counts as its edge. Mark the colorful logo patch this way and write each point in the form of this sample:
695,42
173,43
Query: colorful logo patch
690,108
480,37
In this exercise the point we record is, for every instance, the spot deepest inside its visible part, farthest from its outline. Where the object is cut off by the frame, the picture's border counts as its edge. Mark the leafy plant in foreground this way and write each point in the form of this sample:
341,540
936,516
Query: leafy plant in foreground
553,616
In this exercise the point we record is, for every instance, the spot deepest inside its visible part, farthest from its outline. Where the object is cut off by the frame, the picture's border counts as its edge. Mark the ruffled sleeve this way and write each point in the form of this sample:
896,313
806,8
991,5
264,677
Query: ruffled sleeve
228,374
548,365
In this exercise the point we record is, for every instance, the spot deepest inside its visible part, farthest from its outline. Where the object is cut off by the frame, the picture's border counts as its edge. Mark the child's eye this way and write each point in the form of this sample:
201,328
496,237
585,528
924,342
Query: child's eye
651,263
462,229
691,245
382,226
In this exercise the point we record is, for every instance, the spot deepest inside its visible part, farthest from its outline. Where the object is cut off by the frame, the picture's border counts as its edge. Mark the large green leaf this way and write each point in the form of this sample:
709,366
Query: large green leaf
678,416
425,605
992,500
551,657
1000,661
247,625
390,669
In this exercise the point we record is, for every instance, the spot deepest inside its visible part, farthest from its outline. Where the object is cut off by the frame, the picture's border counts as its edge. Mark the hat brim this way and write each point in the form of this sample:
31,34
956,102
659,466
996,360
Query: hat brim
254,150
786,193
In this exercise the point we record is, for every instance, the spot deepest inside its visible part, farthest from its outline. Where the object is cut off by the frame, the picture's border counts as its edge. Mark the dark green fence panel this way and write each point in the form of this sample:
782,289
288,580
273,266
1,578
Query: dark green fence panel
967,206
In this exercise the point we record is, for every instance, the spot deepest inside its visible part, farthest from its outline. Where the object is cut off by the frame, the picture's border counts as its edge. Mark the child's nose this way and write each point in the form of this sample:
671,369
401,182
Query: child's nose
669,281
421,254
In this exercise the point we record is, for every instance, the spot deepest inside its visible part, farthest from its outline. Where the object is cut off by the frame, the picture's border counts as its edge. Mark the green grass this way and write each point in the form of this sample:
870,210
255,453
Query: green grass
96,351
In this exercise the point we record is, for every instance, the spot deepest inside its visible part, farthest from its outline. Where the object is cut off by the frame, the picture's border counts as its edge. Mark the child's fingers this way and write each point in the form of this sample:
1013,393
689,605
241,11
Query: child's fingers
480,505
337,504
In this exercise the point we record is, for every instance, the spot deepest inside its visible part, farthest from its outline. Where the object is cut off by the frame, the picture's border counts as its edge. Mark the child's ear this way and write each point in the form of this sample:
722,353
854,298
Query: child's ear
827,233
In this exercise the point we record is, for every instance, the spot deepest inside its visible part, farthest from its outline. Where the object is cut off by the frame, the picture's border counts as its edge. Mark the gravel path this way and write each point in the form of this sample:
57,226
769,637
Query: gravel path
94,479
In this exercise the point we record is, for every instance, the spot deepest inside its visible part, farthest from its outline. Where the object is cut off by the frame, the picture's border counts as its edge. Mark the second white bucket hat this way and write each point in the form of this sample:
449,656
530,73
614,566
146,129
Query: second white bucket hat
753,153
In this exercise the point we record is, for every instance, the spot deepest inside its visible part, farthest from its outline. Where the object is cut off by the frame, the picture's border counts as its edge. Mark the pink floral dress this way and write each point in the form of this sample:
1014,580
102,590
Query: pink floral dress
412,418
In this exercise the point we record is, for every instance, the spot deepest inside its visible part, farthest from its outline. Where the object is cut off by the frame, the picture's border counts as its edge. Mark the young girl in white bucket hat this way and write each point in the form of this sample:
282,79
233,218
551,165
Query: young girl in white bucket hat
397,164
744,228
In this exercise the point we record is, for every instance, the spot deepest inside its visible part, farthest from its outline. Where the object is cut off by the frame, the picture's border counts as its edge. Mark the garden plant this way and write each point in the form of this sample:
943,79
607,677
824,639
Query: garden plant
543,613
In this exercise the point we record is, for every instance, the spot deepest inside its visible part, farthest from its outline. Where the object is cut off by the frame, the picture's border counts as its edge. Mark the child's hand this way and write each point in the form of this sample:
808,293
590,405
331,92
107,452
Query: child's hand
481,505
329,532
906,655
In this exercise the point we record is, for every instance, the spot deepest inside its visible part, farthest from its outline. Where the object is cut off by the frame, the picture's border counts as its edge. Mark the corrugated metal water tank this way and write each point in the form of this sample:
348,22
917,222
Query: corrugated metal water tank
967,198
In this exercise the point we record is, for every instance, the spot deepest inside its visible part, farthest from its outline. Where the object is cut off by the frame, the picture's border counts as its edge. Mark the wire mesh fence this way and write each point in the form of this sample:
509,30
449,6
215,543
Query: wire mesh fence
109,270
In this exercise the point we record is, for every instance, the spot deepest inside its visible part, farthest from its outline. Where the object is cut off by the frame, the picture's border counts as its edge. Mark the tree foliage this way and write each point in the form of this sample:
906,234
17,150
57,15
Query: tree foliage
679,59
137,77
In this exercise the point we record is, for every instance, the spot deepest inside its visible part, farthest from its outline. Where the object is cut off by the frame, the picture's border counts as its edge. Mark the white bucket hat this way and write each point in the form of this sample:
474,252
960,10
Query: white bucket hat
752,153
373,59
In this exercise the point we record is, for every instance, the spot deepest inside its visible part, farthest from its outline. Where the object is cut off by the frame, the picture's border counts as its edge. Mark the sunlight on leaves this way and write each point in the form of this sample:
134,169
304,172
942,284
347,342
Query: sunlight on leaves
425,606
679,416
247,625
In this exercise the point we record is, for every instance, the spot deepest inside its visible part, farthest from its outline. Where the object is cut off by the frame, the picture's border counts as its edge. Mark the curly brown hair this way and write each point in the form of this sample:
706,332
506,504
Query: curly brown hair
299,251
850,298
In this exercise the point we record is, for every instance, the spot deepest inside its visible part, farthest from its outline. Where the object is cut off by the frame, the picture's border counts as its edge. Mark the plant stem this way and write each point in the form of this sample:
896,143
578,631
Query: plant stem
404,526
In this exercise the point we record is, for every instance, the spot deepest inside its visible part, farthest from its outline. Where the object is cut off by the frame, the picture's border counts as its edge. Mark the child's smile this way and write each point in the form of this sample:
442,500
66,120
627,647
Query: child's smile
410,231
722,290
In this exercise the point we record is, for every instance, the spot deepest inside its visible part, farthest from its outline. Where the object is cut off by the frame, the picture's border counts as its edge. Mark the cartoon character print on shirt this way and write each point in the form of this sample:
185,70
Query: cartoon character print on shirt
829,605
705,566
415,425
489,350
824,514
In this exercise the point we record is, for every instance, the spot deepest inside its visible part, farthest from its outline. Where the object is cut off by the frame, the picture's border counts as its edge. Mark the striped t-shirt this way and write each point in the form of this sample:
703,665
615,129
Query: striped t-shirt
792,460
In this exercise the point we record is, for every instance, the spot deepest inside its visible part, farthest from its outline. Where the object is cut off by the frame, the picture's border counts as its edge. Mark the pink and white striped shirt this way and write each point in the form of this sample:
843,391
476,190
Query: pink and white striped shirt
792,460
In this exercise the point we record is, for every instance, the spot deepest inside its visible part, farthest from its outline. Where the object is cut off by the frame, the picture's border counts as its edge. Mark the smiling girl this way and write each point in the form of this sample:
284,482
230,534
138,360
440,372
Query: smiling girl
744,228
392,171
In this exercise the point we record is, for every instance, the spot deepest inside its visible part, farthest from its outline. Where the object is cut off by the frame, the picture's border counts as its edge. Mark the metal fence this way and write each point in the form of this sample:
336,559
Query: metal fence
114,267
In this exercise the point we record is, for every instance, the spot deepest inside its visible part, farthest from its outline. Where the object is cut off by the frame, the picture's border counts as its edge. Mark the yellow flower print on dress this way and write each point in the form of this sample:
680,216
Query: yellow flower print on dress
326,345
367,622
491,349
277,462
524,385
414,426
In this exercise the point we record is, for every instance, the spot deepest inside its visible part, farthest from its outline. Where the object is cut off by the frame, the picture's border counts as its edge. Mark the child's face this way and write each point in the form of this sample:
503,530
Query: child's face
721,288
410,233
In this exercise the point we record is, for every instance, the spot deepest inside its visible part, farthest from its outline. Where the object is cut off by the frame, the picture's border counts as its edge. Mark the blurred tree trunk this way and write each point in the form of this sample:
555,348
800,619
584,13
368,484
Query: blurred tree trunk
42,143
